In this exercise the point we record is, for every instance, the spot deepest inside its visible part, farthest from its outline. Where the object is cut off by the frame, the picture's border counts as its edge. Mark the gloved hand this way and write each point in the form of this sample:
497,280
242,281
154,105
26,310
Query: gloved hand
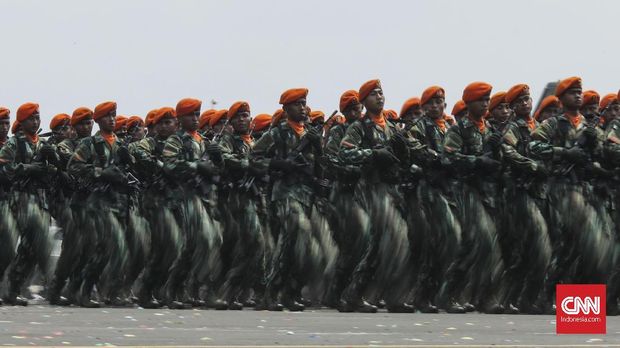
124,157
36,169
206,168
575,155
398,139
486,163
48,151
314,137
282,165
383,156
494,140
590,133
112,175
215,152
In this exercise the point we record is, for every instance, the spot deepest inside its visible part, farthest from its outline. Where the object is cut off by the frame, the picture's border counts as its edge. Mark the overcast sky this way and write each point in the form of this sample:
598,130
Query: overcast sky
147,54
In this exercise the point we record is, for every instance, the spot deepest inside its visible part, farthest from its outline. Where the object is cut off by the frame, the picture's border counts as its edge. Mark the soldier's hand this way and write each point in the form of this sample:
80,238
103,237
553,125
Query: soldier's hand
485,162
575,155
35,169
282,165
384,156
215,152
398,139
48,151
314,137
206,168
112,174
124,156
590,133
494,140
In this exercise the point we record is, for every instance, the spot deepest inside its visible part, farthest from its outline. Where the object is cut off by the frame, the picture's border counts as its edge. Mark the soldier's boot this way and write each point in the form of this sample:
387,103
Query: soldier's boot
270,302
424,304
146,300
361,306
234,305
213,302
400,308
454,307
85,295
53,294
292,305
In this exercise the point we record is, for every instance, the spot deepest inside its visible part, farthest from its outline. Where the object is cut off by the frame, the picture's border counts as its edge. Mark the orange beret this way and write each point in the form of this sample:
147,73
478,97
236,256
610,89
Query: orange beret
390,114
149,117
217,116
315,115
60,120
431,92
339,119
134,121
277,117
292,95
81,114
26,110
204,118
4,113
238,106
608,99
188,106
162,113
409,103
15,127
476,90
496,99
260,122
121,121
549,100
591,97
566,84
368,87
347,98
515,91
459,107
104,109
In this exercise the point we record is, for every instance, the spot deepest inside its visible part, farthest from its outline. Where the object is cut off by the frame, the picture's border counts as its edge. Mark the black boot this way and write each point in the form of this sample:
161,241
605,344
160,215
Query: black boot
400,308
454,307
84,297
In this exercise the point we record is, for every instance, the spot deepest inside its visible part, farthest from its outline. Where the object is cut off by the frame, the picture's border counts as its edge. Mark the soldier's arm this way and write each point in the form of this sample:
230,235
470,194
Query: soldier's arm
263,151
7,159
232,161
541,147
452,151
175,163
611,145
332,145
65,151
145,159
351,151
417,139
81,163
512,155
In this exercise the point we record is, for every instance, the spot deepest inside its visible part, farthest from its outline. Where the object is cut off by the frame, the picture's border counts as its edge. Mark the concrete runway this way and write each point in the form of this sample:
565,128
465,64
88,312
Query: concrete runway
56,326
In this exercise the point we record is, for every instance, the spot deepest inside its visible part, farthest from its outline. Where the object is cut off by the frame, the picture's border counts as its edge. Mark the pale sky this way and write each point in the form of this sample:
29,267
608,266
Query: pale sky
146,54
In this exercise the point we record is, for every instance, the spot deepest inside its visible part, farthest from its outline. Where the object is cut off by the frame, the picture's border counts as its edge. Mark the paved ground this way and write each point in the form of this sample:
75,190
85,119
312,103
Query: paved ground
44,325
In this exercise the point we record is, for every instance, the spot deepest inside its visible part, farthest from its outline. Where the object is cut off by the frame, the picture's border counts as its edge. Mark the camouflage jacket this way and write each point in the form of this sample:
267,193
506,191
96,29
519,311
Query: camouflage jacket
92,155
463,143
517,136
235,153
282,143
612,143
181,155
20,151
148,153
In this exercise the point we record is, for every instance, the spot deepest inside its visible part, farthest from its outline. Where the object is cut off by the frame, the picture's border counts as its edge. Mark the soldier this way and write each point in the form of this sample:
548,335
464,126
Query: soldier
157,206
101,163
346,222
203,123
8,233
135,129
185,160
288,150
72,259
373,143
29,163
435,228
148,122
317,118
120,128
459,110
259,125
556,141
472,149
549,107
590,107
524,237
499,111
60,125
411,111
241,220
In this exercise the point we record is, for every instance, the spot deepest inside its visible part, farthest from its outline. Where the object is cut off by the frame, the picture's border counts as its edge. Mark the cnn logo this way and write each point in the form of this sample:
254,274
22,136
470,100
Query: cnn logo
581,309
575,305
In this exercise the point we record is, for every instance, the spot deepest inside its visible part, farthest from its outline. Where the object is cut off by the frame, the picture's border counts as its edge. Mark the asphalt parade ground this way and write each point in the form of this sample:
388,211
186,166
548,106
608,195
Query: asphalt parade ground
43,325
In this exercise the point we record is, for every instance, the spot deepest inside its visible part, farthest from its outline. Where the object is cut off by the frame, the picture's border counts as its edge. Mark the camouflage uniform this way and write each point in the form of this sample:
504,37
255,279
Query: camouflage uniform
578,232
465,150
198,261
384,267
435,228
525,240
21,162
8,229
97,167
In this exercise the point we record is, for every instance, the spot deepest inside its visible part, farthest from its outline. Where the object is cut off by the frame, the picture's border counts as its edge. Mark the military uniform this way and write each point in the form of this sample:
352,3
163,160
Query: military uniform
466,151
22,163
